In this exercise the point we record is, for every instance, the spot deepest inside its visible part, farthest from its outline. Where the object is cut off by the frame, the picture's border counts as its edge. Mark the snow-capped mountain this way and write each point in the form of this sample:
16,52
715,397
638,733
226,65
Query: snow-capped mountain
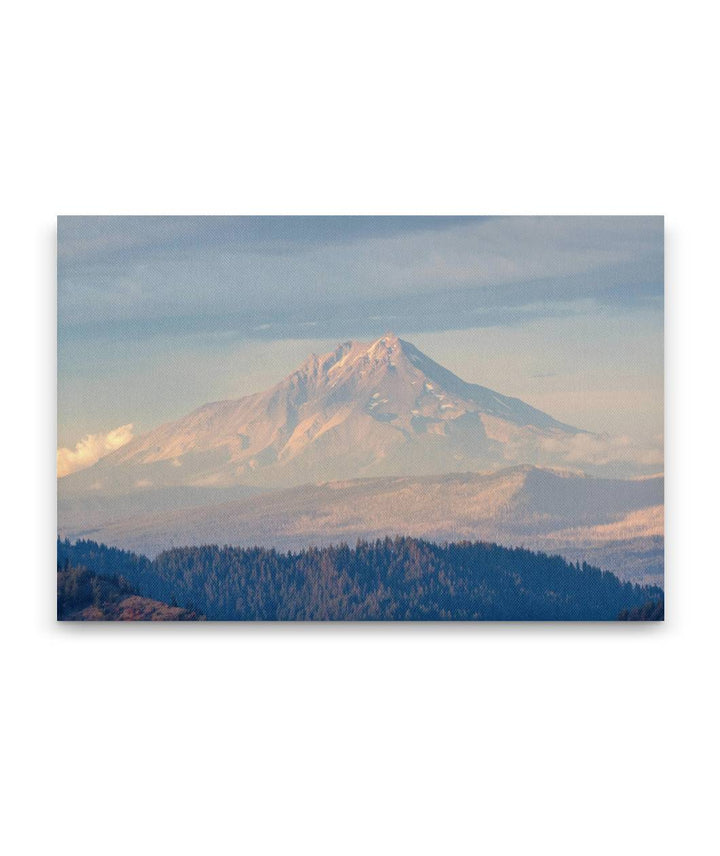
377,409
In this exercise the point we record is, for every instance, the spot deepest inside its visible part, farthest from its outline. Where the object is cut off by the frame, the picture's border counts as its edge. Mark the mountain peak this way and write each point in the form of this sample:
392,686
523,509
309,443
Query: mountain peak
387,340
352,356
385,346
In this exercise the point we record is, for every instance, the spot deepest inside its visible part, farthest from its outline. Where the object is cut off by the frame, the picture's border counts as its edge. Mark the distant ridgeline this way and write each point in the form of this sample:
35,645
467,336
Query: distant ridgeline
391,579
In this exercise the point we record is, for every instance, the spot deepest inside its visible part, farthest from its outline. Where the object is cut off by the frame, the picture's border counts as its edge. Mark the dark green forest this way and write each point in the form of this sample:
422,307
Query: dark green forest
385,580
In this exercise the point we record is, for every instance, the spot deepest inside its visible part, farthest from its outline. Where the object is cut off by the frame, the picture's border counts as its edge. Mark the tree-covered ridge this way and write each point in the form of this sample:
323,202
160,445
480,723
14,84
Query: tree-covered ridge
85,596
389,579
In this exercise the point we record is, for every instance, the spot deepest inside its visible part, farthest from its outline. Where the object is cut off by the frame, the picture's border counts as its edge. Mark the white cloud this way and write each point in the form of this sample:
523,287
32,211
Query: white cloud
583,451
91,448
604,449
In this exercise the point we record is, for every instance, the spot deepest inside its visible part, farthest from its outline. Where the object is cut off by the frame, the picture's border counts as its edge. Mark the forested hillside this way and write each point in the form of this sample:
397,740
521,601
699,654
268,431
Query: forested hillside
85,596
390,579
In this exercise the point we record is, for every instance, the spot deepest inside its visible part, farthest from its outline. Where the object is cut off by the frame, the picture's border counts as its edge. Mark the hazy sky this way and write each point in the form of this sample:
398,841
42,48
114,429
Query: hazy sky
157,315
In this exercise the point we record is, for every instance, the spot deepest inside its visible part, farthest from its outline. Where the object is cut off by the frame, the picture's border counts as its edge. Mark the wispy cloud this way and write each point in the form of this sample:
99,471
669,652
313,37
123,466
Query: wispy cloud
91,448
280,274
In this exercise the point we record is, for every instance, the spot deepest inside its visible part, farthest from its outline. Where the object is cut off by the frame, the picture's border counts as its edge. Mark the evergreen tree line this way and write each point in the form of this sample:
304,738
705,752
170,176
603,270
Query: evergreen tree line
390,579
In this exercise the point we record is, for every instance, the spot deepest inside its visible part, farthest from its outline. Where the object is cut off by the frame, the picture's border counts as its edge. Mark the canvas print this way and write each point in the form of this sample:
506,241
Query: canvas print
360,418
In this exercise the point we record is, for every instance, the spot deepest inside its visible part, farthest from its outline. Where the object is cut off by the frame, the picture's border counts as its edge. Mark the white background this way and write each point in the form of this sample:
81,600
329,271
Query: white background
359,739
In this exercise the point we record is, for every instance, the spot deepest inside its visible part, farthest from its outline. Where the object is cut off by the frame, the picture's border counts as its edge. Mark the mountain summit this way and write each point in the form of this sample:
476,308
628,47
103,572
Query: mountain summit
364,409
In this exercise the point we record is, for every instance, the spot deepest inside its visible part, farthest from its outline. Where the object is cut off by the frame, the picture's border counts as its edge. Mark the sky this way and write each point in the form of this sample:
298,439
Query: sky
158,315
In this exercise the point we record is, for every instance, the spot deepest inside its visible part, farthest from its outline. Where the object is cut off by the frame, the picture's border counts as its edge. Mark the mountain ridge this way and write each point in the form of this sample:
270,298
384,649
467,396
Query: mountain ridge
576,515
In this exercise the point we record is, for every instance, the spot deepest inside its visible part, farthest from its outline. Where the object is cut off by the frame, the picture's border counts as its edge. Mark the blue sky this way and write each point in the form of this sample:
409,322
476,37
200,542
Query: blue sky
157,315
